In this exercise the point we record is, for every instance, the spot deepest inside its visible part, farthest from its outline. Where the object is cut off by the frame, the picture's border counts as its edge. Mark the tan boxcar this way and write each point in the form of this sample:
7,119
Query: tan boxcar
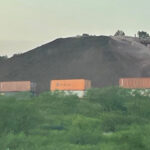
70,85
15,86
135,83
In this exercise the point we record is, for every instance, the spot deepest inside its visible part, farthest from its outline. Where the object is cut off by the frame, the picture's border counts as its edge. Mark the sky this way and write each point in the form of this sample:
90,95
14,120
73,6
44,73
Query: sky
26,24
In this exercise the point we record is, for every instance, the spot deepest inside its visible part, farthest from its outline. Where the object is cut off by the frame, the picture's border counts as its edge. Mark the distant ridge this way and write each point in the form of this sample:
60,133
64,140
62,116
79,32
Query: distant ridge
101,59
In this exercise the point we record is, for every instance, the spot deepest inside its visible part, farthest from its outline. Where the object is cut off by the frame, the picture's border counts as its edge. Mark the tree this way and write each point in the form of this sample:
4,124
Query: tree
143,34
119,33
3,58
85,35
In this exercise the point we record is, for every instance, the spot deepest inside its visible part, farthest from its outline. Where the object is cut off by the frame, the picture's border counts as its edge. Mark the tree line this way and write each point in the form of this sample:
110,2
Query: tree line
141,34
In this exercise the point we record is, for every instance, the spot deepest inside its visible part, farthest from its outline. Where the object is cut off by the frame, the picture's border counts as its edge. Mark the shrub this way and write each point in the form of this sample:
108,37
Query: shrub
110,98
85,131
17,116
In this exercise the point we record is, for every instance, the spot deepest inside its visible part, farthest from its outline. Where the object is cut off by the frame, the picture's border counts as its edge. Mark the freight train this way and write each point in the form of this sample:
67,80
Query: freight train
73,86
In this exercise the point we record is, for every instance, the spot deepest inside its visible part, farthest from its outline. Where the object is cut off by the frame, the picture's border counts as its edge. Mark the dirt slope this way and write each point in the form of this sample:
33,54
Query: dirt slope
98,58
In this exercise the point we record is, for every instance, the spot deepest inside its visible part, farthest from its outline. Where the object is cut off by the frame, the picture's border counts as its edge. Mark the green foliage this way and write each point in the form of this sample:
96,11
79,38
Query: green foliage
110,98
143,34
85,131
105,119
17,116
119,33
3,58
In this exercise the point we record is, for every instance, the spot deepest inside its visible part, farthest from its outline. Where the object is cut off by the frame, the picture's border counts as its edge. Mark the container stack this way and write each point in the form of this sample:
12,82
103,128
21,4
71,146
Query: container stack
135,83
17,86
73,86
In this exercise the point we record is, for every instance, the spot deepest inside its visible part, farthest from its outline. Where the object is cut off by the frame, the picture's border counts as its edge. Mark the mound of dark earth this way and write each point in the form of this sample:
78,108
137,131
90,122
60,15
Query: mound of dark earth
101,59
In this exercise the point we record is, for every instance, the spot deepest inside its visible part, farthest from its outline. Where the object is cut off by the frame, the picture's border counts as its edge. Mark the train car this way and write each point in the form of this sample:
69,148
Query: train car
17,86
71,86
135,83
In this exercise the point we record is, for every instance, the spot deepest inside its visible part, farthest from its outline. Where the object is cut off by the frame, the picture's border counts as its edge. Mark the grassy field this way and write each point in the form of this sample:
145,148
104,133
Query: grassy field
105,119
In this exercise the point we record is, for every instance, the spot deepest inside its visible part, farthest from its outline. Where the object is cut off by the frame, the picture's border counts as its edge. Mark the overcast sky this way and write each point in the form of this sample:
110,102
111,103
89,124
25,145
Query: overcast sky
25,24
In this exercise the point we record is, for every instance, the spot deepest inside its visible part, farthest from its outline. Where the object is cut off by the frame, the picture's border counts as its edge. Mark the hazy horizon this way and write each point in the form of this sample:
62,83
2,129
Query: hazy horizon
27,24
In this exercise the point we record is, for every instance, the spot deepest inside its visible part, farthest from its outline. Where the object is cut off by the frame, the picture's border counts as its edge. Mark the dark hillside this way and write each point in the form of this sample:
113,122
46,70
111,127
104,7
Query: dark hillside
98,58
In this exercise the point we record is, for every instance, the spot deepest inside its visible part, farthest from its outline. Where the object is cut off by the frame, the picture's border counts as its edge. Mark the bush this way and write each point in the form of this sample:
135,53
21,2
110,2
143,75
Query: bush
3,58
143,34
17,116
110,98
119,33
85,131
105,119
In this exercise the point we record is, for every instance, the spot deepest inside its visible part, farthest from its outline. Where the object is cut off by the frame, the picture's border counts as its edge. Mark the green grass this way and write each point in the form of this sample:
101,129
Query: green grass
105,119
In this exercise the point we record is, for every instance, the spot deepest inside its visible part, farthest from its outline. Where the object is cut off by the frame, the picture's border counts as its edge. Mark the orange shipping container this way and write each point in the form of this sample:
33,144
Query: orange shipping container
15,86
70,85
135,83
